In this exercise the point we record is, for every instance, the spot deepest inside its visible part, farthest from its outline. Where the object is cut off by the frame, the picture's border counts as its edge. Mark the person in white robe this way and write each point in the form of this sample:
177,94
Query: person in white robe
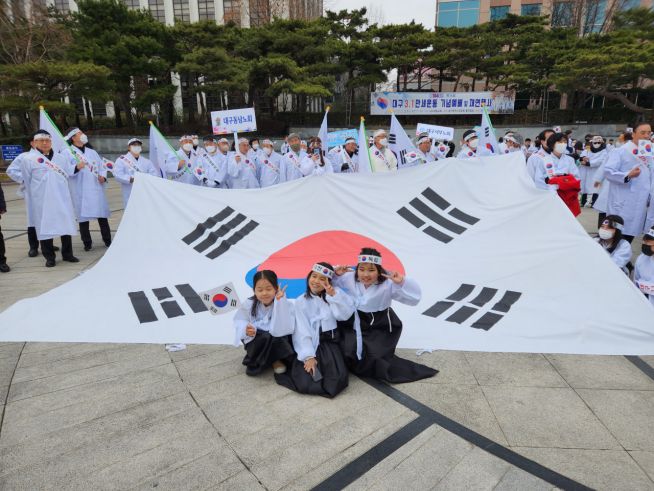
314,163
535,159
214,166
269,165
345,158
591,159
290,163
88,189
319,367
424,150
184,165
609,236
644,267
469,144
630,176
263,325
382,159
14,173
127,167
45,177
242,167
370,338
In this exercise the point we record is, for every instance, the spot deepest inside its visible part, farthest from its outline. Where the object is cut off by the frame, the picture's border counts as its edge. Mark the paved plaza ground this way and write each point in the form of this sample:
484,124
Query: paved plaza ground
126,416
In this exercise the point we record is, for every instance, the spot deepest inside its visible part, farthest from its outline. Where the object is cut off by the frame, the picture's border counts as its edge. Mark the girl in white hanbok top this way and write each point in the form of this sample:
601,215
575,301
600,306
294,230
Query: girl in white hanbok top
610,238
370,338
263,324
644,268
319,367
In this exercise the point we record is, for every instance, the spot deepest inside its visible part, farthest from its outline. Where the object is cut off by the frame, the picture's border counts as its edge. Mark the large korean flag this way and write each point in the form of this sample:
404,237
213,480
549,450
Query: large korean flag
503,266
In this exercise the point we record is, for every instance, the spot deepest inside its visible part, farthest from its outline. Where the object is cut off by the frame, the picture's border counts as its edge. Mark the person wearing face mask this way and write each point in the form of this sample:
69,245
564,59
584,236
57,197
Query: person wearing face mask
644,267
255,145
535,161
242,167
268,165
558,172
290,164
215,169
589,161
128,166
195,139
382,158
631,177
185,164
314,164
88,189
610,238
513,142
344,158
45,176
468,145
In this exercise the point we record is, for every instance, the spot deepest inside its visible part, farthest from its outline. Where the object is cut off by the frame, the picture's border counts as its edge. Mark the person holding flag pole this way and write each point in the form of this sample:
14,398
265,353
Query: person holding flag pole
183,165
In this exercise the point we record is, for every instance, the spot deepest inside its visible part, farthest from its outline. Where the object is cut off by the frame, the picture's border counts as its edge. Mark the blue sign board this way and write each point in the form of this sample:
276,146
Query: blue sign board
336,138
10,152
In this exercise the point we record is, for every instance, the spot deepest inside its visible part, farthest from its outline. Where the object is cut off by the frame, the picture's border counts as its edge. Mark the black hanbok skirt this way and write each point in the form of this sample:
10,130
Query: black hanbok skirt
265,349
380,332
331,366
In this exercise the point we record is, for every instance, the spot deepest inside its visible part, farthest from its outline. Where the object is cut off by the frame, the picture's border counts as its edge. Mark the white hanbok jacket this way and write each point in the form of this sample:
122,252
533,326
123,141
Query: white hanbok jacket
277,318
127,167
88,193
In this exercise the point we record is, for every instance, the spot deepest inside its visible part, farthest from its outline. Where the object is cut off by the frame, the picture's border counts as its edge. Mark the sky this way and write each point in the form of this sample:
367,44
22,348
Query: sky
391,11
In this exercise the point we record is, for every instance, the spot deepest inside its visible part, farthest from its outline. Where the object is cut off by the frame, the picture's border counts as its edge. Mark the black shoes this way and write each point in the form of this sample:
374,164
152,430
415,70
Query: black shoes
50,263
55,248
4,268
107,243
33,252
88,247
71,259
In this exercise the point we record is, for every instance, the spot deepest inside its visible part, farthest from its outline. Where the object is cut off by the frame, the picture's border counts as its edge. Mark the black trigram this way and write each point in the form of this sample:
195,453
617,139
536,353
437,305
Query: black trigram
392,139
232,228
433,214
402,156
144,309
486,131
482,307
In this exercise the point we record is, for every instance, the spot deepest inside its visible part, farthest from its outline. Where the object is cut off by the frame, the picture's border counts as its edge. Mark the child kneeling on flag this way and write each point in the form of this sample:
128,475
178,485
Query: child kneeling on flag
319,367
263,324
372,334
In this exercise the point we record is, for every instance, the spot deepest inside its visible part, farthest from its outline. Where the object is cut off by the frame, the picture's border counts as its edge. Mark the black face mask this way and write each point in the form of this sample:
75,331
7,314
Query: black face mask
647,250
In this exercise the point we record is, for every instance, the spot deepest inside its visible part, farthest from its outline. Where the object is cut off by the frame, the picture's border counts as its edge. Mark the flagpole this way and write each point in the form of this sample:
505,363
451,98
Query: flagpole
366,143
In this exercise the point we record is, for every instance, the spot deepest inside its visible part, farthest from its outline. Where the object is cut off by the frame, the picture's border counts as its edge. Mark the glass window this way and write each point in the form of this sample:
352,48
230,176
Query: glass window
595,16
497,13
259,12
530,9
181,11
460,14
206,10
132,4
562,14
444,6
468,18
232,11
158,10
62,6
447,19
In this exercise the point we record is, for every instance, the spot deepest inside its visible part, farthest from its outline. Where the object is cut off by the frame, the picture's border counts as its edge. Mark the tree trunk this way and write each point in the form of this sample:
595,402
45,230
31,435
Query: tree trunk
440,80
89,115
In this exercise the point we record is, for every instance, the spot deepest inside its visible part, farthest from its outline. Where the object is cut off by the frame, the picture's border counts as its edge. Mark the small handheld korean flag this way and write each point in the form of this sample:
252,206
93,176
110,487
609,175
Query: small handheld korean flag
221,300
645,148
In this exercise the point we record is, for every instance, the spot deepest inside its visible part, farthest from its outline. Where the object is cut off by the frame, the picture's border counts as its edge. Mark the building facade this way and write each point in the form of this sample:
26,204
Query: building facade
588,15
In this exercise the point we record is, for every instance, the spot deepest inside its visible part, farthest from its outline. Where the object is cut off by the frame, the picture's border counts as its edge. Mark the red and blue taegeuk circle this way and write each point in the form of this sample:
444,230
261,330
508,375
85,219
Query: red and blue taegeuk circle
219,300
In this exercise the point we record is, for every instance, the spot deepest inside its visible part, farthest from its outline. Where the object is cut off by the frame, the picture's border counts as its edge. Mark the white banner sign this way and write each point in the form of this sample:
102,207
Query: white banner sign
336,138
233,121
502,265
439,133
413,103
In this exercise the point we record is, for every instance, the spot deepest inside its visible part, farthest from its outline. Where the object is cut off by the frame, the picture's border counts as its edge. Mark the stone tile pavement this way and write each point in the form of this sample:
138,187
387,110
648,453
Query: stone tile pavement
120,416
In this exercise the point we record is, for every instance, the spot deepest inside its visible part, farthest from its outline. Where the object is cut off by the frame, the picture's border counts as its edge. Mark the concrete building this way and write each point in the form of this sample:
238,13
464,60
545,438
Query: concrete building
589,15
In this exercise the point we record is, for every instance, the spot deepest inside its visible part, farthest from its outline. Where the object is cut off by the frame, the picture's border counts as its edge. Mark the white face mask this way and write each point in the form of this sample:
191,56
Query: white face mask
560,148
473,143
383,142
605,234
135,149
255,146
187,147
211,149
267,151
84,139
196,142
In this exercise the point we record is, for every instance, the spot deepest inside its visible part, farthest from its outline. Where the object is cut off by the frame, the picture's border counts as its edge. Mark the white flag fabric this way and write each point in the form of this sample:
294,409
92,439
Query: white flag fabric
502,266
365,166
46,123
399,142
323,132
221,300
488,144
159,148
